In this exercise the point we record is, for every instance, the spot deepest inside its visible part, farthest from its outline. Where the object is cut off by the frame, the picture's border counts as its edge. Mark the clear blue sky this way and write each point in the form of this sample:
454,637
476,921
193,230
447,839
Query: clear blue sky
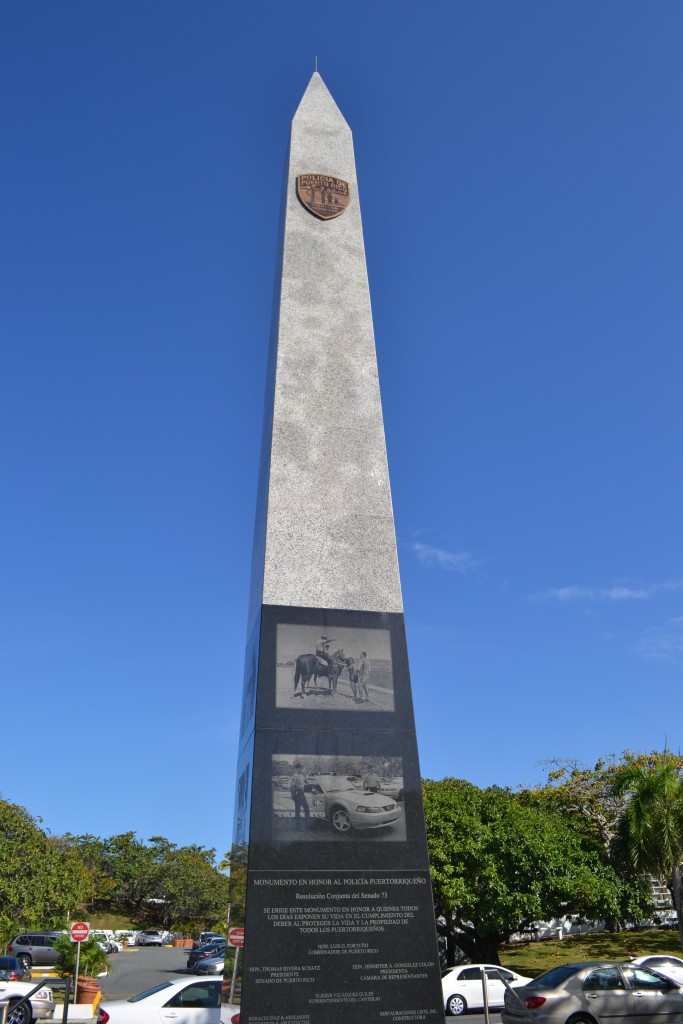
521,170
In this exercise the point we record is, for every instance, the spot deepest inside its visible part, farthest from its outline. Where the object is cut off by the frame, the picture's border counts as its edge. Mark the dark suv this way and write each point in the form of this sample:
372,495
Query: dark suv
12,970
35,948
214,948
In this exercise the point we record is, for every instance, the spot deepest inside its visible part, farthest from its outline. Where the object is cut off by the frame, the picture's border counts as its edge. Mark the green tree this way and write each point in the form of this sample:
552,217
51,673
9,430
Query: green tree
42,880
650,827
588,794
194,891
595,803
153,882
123,871
91,851
235,861
501,861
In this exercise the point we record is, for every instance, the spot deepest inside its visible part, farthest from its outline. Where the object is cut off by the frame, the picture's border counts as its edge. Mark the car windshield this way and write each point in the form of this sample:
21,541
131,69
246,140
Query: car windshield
149,992
338,786
554,977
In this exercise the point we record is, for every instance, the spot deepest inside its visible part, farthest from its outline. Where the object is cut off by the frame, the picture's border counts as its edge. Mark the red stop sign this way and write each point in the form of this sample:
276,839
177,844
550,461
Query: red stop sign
236,936
79,931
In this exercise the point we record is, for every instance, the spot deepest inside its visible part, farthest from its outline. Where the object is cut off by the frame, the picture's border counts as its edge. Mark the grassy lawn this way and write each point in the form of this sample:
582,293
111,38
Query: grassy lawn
111,922
531,958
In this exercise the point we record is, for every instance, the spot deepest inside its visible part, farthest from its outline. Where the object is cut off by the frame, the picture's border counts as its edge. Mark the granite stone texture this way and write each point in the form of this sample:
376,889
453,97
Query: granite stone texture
329,528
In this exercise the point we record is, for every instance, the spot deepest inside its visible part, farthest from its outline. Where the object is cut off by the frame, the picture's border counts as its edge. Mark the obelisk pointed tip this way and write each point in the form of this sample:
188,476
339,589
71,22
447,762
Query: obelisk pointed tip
317,104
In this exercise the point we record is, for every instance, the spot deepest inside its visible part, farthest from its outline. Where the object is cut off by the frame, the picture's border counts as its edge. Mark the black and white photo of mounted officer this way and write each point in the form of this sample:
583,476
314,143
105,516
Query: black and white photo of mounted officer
342,670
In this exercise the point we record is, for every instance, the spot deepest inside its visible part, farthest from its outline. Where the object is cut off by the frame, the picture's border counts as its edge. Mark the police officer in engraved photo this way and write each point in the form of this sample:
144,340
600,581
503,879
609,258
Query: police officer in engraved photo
322,649
363,669
297,789
371,783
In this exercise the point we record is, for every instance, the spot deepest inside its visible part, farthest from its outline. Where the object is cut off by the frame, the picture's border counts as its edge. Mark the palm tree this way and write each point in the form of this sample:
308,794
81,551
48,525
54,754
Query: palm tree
651,822
235,863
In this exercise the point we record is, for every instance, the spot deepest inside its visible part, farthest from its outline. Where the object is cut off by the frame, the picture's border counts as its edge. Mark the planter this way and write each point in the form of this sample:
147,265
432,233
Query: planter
183,943
88,989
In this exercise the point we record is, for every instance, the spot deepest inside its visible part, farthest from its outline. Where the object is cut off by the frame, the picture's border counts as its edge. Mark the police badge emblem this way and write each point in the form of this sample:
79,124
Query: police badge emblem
323,195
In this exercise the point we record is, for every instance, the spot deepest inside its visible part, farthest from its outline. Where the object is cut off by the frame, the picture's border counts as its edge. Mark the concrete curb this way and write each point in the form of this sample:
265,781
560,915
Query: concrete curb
77,1012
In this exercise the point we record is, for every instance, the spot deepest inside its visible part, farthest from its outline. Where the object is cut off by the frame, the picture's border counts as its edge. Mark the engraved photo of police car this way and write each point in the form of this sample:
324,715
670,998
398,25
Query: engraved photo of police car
343,800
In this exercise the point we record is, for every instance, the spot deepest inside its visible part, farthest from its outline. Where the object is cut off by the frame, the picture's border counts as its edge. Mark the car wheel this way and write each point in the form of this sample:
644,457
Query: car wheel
581,1018
25,961
455,1005
19,1014
340,819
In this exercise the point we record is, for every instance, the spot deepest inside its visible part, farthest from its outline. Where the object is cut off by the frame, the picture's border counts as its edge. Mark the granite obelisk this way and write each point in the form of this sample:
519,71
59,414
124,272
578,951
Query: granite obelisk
339,916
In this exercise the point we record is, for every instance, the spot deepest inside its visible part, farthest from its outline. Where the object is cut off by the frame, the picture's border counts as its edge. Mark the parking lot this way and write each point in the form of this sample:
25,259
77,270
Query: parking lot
141,967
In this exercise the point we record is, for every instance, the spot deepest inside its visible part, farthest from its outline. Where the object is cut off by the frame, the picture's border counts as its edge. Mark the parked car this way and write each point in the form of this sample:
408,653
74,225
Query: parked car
151,937
463,990
393,787
204,952
123,935
35,948
107,935
212,965
671,966
205,937
106,942
587,992
339,802
178,999
41,1003
14,970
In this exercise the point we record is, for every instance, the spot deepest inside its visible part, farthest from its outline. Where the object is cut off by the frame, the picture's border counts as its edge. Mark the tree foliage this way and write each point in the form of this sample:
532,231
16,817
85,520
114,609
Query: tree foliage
588,795
235,861
193,888
501,861
41,878
154,883
650,826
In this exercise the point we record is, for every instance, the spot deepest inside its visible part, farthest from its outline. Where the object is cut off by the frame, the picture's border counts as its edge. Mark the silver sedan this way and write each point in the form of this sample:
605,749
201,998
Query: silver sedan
214,965
586,993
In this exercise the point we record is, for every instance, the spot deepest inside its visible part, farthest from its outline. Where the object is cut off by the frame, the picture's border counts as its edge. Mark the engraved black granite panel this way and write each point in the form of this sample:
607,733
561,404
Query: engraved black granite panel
339,908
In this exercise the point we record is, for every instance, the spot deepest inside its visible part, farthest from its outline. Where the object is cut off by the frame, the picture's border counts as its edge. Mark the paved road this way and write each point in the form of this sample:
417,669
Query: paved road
142,967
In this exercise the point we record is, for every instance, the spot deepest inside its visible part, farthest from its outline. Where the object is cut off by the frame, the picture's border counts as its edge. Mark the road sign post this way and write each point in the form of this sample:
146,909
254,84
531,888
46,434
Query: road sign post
80,930
236,939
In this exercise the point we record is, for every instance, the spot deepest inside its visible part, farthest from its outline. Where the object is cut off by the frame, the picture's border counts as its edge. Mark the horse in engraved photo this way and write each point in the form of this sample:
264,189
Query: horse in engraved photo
309,667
